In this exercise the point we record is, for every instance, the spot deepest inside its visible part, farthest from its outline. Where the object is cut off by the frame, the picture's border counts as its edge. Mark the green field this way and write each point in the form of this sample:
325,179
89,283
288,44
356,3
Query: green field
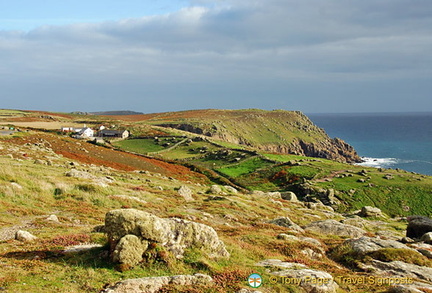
141,146
245,167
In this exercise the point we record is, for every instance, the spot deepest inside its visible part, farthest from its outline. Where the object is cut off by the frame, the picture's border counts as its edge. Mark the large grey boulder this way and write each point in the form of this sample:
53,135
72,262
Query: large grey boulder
368,211
367,244
174,234
418,226
154,284
333,227
288,223
310,280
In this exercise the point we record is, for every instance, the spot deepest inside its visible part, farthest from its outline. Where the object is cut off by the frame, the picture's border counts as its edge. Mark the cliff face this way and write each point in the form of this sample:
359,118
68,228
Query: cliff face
286,132
333,149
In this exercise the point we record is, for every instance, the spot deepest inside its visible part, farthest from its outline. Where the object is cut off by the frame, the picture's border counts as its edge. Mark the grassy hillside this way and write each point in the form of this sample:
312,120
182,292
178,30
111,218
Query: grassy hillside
273,131
398,193
35,186
44,173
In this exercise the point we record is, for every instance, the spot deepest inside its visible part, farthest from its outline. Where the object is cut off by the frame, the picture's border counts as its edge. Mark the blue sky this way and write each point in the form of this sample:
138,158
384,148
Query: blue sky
29,14
153,56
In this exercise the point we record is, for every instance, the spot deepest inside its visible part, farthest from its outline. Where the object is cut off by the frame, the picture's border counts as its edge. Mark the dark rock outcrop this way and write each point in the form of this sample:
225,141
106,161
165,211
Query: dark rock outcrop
418,226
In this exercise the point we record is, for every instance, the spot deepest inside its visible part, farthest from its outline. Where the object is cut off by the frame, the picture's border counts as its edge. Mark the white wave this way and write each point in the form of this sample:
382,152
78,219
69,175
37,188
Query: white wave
379,162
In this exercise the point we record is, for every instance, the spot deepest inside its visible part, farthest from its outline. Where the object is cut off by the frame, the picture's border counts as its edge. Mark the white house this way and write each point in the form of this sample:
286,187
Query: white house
85,132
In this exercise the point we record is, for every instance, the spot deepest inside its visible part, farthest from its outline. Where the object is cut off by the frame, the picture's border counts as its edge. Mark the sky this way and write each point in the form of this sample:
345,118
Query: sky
333,56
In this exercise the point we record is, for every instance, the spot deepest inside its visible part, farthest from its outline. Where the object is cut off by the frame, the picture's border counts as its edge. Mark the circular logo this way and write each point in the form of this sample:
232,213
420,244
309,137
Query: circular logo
254,280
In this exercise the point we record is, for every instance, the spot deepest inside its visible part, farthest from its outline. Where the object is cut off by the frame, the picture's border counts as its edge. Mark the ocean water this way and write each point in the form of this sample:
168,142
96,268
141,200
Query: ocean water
388,140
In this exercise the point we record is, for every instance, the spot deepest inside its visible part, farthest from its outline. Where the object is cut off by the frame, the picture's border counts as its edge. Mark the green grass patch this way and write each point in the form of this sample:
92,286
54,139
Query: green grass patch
245,167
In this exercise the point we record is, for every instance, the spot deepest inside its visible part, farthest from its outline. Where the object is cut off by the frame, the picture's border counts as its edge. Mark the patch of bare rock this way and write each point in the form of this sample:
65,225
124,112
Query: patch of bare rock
309,280
366,244
154,284
334,227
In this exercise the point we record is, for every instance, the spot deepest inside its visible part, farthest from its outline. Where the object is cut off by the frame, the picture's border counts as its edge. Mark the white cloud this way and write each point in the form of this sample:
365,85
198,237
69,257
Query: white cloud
244,46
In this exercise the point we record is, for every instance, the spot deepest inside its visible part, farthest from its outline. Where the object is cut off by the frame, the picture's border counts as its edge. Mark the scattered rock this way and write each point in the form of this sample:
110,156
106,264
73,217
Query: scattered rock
418,226
287,237
174,234
312,241
335,228
324,282
289,195
186,193
407,240
319,206
215,189
231,218
276,263
79,174
286,222
16,185
367,244
311,254
215,197
230,189
427,238
24,236
154,284
355,221
388,177
273,194
53,218
368,211
80,248
276,202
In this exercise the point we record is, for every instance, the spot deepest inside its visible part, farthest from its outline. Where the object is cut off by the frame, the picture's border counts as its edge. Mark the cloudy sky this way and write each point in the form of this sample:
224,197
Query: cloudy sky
165,55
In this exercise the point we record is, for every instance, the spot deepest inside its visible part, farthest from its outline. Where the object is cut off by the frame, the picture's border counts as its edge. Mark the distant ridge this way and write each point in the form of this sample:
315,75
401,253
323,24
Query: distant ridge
125,112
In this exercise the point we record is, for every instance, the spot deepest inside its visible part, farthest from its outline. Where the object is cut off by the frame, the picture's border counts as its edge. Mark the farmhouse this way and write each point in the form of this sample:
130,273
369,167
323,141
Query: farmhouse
85,132
113,133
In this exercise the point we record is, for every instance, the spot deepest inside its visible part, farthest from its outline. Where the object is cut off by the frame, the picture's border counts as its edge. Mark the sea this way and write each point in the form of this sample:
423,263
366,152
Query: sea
384,140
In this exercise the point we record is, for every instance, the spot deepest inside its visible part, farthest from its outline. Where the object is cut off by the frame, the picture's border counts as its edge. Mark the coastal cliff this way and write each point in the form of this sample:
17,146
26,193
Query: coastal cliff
278,131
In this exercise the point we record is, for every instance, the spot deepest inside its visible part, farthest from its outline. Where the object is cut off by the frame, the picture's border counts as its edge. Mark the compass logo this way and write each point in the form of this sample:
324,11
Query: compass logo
254,280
